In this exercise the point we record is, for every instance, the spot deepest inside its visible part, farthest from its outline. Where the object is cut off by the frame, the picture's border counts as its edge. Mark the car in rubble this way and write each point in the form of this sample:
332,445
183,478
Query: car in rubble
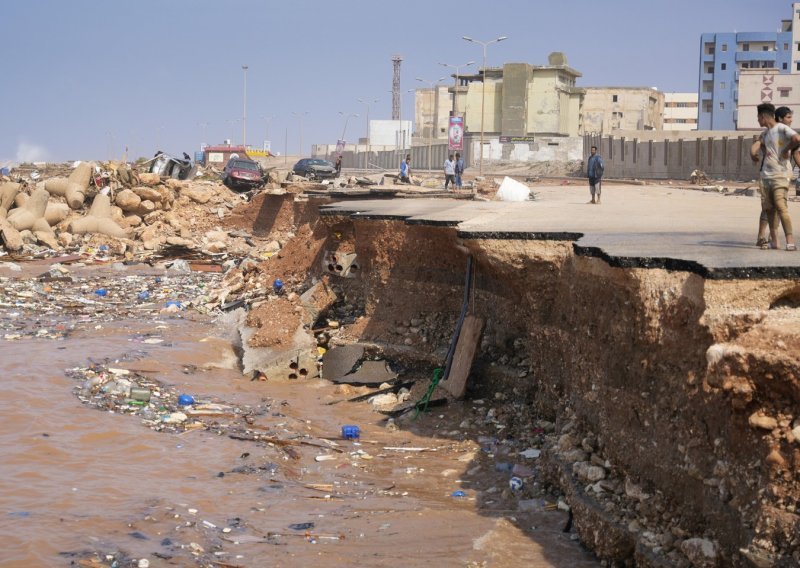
243,174
315,168
169,166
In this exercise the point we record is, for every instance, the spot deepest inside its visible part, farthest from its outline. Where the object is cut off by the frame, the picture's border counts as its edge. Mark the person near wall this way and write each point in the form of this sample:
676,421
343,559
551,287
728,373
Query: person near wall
338,165
405,170
773,149
450,172
784,115
594,170
459,171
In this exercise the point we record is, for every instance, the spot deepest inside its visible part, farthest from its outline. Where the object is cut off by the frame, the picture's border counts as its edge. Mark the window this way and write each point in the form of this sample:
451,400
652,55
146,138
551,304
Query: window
721,106
724,47
614,98
723,66
745,65
745,47
785,47
722,84
798,65
784,91
710,68
764,48
785,66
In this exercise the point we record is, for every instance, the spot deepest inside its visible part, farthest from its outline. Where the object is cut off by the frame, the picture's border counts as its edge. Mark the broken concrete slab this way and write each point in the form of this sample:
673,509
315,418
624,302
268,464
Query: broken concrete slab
316,301
370,373
340,361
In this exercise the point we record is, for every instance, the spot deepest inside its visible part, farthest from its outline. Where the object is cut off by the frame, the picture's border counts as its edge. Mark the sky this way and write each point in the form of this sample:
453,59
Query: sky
86,79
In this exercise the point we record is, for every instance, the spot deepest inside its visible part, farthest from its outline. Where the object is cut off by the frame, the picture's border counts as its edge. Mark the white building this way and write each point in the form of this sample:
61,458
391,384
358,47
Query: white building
680,111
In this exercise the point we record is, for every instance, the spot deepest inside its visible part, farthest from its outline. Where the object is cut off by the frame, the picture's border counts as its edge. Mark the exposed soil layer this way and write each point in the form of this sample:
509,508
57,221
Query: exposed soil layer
671,400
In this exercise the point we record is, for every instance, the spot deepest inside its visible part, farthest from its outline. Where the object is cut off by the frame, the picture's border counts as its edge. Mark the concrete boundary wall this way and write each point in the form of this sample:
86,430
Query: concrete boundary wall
725,157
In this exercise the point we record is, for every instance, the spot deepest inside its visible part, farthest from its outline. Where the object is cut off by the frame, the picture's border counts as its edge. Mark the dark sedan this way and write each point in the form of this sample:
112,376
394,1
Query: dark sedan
314,168
242,174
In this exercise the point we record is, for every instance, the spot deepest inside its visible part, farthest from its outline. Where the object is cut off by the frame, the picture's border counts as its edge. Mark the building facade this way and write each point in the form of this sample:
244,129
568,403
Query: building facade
723,56
518,100
680,111
606,109
758,86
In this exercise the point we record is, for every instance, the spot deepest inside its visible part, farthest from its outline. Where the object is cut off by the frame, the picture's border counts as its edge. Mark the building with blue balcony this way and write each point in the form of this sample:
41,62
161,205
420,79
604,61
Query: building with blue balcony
724,55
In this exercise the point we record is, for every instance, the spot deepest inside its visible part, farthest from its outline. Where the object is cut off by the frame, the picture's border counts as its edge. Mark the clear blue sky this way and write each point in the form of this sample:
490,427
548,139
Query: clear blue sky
84,78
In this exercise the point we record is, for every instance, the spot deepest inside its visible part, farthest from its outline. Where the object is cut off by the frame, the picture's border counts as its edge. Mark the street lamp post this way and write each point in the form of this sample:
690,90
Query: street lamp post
244,110
433,113
485,44
362,101
300,116
455,90
346,118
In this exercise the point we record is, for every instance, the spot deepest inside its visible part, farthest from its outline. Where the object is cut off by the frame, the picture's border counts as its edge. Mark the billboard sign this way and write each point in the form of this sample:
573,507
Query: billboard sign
455,133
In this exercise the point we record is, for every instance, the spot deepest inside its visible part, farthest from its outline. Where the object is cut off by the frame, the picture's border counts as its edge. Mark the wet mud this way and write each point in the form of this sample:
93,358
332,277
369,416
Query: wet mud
87,485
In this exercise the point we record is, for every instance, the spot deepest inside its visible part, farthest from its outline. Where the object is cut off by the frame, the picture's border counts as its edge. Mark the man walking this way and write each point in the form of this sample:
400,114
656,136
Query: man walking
449,172
459,170
594,169
777,143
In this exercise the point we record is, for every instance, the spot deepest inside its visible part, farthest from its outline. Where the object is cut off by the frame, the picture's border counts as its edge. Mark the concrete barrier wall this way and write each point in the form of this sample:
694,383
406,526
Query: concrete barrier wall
725,157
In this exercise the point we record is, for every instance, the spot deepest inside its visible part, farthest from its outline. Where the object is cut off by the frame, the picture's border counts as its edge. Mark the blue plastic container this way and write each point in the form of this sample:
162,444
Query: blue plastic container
144,295
101,292
185,400
175,303
277,286
351,432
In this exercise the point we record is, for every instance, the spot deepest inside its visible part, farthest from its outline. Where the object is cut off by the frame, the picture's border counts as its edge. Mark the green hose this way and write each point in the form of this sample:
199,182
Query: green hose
422,405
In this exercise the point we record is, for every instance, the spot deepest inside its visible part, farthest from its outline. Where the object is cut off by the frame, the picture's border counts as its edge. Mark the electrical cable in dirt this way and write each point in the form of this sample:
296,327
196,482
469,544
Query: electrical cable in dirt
464,309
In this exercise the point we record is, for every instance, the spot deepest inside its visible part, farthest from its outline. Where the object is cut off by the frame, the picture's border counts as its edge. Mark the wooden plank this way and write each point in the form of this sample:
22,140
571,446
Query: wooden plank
467,346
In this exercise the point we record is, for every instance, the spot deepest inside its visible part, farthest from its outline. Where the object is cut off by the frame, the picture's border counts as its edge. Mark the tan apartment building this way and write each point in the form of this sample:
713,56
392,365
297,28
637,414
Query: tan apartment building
606,109
758,86
519,100
680,111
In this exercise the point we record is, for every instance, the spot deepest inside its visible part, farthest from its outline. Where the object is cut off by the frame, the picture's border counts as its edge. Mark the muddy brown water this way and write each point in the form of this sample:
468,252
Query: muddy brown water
78,484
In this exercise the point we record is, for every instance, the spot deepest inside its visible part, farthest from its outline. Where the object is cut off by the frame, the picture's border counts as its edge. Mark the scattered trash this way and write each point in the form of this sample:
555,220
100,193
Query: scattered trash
350,432
301,526
277,286
516,483
458,493
531,453
101,292
513,190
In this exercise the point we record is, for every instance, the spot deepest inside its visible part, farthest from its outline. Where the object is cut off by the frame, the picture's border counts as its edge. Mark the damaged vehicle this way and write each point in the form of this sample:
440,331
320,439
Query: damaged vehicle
169,166
315,168
242,174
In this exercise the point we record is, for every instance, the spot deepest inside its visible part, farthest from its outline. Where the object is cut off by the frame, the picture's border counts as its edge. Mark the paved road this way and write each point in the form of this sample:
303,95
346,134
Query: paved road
710,234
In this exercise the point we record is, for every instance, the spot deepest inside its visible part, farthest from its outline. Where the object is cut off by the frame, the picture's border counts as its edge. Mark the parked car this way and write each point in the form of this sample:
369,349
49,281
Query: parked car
315,168
242,174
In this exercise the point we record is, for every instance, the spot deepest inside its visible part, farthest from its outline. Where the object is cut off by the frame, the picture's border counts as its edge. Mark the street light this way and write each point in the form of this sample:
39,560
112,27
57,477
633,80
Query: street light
346,118
455,90
433,113
485,44
362,101
300,116
244,110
